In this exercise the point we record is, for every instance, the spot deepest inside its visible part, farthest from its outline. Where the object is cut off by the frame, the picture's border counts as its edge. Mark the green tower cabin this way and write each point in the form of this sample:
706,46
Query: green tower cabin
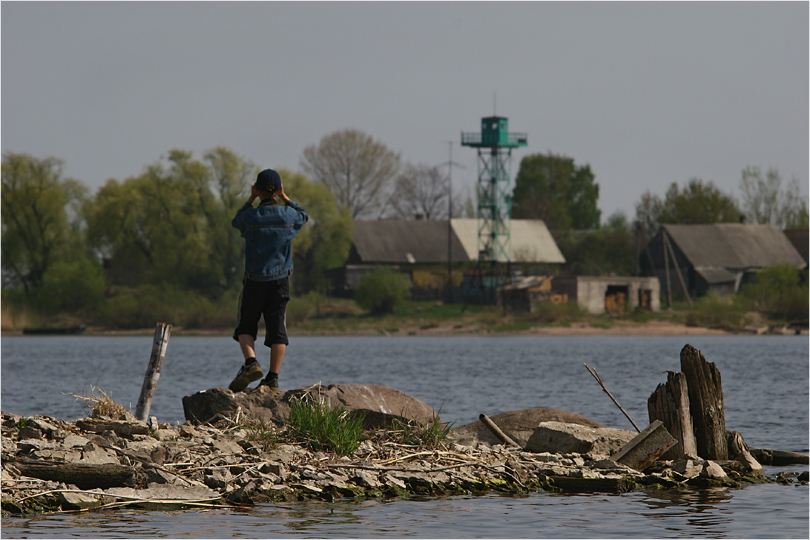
494,145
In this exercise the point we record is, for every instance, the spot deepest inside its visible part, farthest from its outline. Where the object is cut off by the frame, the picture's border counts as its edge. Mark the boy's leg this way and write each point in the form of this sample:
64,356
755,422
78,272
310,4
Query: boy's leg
276,336
250,310
277,351
247,343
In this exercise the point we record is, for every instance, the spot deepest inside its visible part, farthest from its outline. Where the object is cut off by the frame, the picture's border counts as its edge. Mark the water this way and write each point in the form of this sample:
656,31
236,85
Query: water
765,381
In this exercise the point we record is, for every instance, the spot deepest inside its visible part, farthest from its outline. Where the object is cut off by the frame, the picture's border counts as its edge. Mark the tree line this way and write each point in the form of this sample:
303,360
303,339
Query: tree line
134,243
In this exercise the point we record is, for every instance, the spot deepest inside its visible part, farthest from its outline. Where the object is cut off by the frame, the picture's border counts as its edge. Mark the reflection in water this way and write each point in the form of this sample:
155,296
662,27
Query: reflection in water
746,513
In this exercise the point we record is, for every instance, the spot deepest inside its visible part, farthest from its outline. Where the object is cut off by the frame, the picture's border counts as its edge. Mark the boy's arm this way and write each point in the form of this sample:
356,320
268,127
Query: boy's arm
237,221
302,215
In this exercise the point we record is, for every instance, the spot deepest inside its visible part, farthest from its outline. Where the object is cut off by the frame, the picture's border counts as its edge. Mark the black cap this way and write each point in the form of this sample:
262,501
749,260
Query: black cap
268,180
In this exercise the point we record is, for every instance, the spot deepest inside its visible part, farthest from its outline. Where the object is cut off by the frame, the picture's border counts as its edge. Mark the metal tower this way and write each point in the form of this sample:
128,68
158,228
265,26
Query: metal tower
494,145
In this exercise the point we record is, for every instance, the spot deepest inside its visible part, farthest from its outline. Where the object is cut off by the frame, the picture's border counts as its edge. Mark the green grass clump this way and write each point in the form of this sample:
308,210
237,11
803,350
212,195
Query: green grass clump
261,432
322,428
431,436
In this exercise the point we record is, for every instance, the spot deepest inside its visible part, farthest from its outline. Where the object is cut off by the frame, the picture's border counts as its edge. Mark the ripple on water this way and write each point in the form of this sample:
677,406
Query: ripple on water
747,513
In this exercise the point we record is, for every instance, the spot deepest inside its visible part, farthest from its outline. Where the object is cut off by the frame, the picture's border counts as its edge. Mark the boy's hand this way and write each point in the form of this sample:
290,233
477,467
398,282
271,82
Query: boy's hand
282,194
254,194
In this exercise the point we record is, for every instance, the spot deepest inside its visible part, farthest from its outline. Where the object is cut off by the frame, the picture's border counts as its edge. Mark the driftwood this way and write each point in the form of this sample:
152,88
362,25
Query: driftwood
503,437
161,341
84,476
706,404
621,484
767,456
670,404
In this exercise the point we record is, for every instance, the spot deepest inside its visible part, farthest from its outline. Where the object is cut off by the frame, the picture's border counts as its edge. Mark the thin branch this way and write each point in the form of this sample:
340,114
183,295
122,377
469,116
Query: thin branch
599,380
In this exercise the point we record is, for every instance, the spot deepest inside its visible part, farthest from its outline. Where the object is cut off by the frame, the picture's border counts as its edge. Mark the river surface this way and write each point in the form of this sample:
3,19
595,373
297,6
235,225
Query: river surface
765,382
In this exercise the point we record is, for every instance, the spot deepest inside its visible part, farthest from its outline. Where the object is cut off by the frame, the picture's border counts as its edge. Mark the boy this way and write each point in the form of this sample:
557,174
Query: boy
268,231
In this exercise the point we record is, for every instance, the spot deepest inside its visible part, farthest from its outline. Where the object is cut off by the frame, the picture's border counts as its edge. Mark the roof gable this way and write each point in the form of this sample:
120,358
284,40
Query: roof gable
405,241
530,239
426,241
733,245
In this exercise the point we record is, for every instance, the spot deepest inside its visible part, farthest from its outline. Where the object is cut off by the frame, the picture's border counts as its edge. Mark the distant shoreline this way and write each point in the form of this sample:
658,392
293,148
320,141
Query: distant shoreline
619,328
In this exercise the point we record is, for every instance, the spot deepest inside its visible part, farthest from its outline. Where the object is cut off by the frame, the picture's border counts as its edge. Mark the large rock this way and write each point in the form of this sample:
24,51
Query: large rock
518,425
380,405
562,438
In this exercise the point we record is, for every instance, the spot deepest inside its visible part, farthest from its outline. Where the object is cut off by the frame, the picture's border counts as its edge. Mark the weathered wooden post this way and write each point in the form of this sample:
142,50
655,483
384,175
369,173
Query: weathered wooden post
162,332
705,403
670,404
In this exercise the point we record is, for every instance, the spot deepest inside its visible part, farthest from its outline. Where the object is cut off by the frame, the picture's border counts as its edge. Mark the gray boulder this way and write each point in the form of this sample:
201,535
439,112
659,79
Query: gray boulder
380,405
518,425
563,438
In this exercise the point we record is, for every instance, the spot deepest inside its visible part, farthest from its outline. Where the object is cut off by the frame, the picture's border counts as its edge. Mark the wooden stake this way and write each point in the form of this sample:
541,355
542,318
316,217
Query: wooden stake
599,380
162,332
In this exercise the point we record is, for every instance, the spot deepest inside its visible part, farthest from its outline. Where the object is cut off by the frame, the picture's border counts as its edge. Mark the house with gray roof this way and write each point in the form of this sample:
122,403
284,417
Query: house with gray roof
720,257
425,248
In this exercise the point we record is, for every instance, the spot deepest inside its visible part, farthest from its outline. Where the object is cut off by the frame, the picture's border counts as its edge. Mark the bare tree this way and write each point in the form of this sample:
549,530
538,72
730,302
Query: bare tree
355,167
764,200
419,190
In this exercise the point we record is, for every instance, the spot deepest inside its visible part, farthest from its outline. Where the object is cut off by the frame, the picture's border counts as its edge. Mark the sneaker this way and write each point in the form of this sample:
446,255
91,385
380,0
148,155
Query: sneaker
247,374
264,389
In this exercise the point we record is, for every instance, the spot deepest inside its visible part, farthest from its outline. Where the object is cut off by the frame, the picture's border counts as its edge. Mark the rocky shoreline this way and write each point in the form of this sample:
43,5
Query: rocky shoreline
53,465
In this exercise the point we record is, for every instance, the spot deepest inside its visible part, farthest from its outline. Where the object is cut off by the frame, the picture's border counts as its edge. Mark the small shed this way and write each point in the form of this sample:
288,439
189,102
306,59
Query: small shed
522,293
610,294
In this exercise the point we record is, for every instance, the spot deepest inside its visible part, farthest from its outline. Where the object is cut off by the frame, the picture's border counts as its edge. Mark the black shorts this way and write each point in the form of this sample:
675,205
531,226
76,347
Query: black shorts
268,298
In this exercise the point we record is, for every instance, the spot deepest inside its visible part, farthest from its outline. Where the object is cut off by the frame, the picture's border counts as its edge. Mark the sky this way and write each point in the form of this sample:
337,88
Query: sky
647,94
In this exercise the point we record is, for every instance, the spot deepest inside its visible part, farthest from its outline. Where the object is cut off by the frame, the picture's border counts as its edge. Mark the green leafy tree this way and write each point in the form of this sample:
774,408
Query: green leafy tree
151,222
698,203
554,189
780,292
230,177
41,218
75,286
764,200
610,249
355,167
382,290
170,226
325,241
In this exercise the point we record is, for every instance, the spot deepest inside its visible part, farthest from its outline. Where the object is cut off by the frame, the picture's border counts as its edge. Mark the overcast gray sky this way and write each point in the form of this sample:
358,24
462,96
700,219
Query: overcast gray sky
646,93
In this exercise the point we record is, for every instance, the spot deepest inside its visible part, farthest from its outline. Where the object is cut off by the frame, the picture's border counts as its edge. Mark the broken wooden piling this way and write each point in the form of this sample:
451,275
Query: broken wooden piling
161,341
670,404
690,405
705,403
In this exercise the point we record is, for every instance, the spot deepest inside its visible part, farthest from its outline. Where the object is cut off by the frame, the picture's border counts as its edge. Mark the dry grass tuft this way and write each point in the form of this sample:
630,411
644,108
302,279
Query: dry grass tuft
101,405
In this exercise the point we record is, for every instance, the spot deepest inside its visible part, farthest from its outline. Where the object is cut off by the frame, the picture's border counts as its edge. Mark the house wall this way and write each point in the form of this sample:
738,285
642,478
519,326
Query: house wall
655,251
591,292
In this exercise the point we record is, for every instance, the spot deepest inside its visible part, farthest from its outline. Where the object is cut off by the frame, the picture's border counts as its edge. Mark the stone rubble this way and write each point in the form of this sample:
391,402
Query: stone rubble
202,465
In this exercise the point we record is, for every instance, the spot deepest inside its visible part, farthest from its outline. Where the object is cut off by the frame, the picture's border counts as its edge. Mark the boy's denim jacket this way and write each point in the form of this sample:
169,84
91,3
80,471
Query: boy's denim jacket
268,231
